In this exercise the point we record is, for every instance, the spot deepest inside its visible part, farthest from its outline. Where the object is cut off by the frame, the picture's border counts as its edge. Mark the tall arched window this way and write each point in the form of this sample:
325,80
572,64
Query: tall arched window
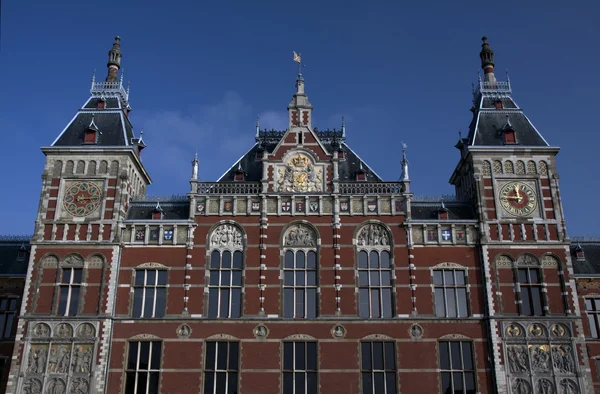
374,268
69,285
225,267
300,272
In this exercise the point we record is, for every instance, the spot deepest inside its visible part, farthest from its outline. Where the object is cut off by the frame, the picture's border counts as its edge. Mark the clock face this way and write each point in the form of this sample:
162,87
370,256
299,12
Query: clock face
518,199
82,198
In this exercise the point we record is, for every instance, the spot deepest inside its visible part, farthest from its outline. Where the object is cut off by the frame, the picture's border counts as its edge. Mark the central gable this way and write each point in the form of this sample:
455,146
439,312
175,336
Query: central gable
298,172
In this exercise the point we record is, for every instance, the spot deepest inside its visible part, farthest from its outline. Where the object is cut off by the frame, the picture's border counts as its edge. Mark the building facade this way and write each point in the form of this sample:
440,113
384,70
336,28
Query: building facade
300,270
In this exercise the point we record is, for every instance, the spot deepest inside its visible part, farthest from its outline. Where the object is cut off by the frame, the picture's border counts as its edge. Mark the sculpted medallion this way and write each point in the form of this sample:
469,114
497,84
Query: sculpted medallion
300,175
299,235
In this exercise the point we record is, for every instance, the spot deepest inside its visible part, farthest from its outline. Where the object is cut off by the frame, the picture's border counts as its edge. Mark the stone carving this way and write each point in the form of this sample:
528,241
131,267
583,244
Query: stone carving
95,262
518,360
514,330
536,330
416,331
559,330
41,330
377,336
50,262
508,167
144,336
73,259
549,261
544,386
373,235
521,386
151,265
56,386
543,168
454,336
448,265
562,359
486,168
184,331
568,386
32,386
82,359
540,358
63,330
503,261
260,332
588,284
299,175
338,331
85,330
520,168
36,360
226,235
79,385
300,235
223,336
300,337
527,259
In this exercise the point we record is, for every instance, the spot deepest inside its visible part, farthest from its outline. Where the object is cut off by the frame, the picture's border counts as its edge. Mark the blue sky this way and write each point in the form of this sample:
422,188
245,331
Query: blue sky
201,71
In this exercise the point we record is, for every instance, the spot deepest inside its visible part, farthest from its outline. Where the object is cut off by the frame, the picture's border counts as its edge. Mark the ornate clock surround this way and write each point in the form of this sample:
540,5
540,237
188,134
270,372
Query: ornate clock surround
529,191
82,199
299,173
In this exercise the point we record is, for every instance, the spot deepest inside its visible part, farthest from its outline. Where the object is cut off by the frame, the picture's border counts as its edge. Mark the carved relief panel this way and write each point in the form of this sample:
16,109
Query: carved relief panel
59,358
540,357
299,174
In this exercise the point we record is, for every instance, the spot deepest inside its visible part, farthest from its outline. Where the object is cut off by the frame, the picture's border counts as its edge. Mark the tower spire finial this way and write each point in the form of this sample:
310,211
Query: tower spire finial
404,177
195,166
343,127
257,125
487,61
114,61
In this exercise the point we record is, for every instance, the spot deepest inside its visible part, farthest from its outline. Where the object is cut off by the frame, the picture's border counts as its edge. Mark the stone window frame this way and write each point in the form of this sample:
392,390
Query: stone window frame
216,339
593,313
371,340
232,249
284,248
533,264
139,339
447,266
58,283
461,339
379,249
294,370
153,266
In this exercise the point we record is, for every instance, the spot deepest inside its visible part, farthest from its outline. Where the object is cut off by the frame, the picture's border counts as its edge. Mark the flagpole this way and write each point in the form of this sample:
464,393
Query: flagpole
300,64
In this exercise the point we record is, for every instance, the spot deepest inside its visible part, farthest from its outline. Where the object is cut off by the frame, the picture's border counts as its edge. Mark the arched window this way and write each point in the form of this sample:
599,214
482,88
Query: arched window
300,272
530,284
225,272
375,279
69,286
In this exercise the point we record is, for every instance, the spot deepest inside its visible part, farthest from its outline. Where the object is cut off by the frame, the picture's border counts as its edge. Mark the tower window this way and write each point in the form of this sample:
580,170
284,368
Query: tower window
509,137
499,104
90,137
69,291
299,138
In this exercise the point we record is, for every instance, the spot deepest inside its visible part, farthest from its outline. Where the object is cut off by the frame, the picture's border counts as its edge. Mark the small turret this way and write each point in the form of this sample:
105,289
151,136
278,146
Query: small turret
114,61
487,61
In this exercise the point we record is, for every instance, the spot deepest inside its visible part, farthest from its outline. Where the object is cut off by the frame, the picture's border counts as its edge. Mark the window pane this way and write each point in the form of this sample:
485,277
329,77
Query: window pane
386,278
153,386
385,259
457,379
156,350
132,359
67,275
288,278
237,260
593,330
363,278
446,383
213,302
214,277
460,277
437,277
13,304
299,303
300,278
467,356
461,294
367,382
209,383
377,356
210,355
390,382
588,304
144,356
311,303
374,276
162,277
226,261
289,259
224,309
288,303
299,355
526,302
225,277
62,305
215,259
444,355
161,302
299,382
311,383
77,275
236,303
311,356
597,303
455,354
3,304
311,261
288,356
300,263
130,383
374,260
234,349
390,363
523,275
449,277
440,308
375,310
536,297
9,323
311,278
237,278
232,384
533,275
379,382
149,302
73,308
151,277
221,356
137,301
470,383
363,260
142,382
450,303
387,302
221,382
366,356
288,383
364,309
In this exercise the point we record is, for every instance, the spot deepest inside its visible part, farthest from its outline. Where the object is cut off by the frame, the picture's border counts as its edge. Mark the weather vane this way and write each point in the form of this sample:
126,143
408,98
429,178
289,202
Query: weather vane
298,59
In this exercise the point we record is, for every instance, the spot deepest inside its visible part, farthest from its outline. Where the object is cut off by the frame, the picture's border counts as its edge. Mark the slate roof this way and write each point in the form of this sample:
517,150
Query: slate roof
114,129
252,165
425,210
172,210
487,123
14,256
590,265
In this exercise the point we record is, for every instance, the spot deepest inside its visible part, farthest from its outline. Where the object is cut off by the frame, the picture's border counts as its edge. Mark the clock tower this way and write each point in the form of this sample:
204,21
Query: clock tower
92,170
508,171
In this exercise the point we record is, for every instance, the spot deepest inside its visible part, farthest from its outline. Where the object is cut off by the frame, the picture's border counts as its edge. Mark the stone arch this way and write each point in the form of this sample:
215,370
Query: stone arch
151,265
509,167
103,167
486,168
114,168
373,233
73,259
226,337
376,337
528,259
543,167
57,170
449,265
300,234
49,260
455,336
531,168
80,167
497,167
299,337
95,260
520,167
550,260
69,167
92,167
144,337
226,234
504,260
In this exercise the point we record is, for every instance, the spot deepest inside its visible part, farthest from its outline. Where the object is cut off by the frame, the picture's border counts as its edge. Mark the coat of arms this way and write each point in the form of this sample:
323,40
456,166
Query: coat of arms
228,206
286,206
372,206
255,206
300,175
344,206
200,207
314,206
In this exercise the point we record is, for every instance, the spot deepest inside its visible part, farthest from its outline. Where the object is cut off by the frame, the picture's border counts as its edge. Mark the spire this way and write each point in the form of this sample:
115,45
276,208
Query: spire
114,61
300,109
487,61
195,167
343,127
404,177
257,126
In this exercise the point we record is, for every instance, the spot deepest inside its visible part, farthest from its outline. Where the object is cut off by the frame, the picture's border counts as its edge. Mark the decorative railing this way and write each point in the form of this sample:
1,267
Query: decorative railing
15,238
109,89
370,187
493,87
229,187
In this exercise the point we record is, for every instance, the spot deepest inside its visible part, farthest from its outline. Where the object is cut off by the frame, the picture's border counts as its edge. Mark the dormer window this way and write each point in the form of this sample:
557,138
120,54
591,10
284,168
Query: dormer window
443,212
91,133
239,175
499,104
22,254
579,253
101,103
361,174
509,137
157,213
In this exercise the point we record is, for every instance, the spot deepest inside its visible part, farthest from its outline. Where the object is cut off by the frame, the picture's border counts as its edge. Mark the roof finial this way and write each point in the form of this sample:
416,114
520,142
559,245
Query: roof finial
257,125
239,167
404,176
114,61
343,127
121,79
93,78
92,125
195,166
487,60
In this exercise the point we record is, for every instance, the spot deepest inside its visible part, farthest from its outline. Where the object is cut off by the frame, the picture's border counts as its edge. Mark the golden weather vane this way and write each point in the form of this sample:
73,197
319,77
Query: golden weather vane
298,59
